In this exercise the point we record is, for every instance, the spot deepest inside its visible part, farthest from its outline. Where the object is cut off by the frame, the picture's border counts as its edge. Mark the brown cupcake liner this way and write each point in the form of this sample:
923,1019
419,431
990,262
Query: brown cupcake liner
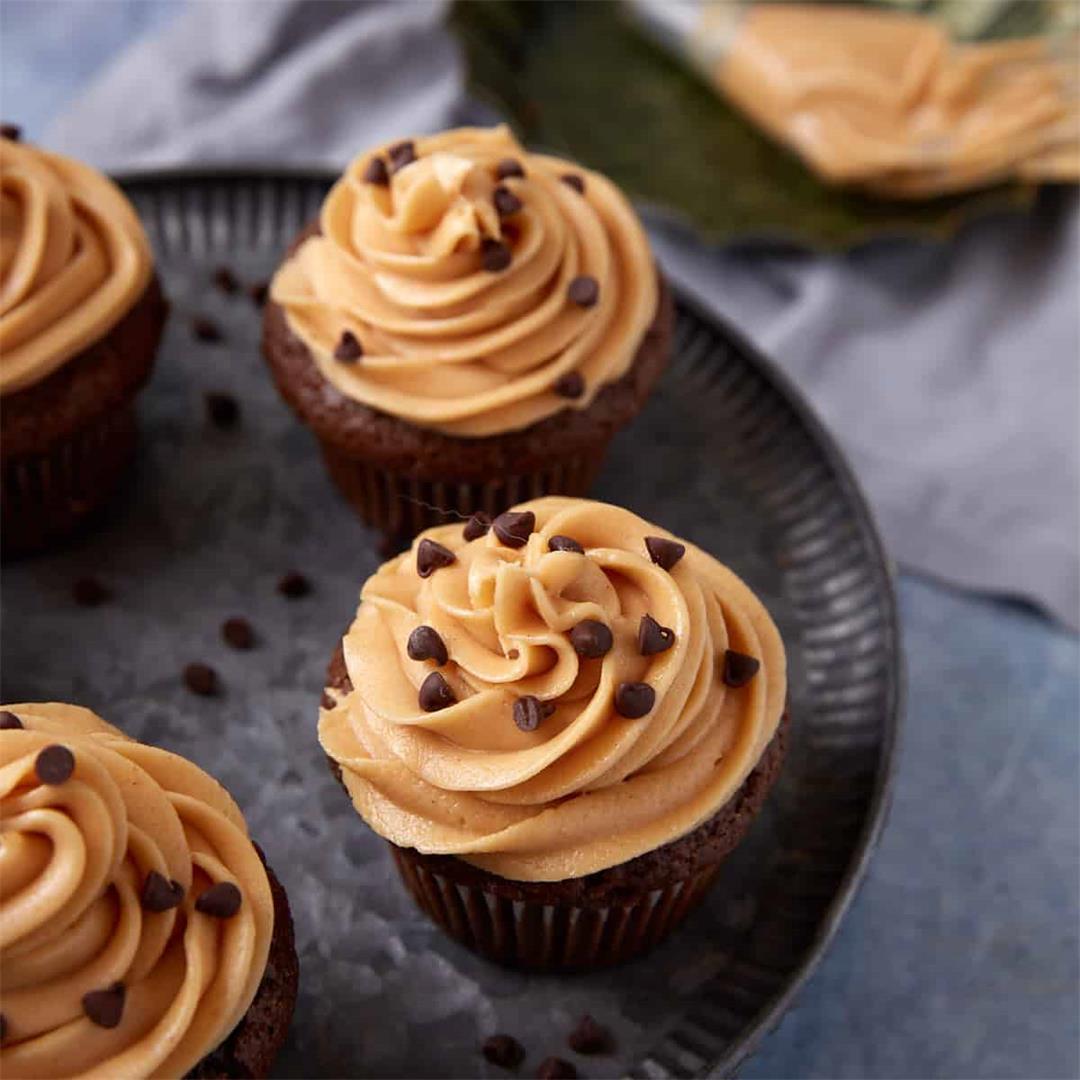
556,936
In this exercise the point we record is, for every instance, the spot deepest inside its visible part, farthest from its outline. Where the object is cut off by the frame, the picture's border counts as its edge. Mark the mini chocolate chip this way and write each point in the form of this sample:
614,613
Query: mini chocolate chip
160,893
11,131
634,699
574,180
739,668
494,255
508,167
223,410
589,1037
376,172
259,291
401,154
653,638
201,679
665,553
554,1068
529,711
206,329
432,556
506,202
591,639
435,693
565,543
504,1051
237,632
348,349
9,721
220,901
54,765
425,644
477,525
105,1007
570,385
514,527
226,281
293,584
583,291
89,592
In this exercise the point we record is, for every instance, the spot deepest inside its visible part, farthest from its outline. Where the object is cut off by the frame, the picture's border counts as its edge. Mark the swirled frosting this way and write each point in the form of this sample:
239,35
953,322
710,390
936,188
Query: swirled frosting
76,861
446,343
73,261
588,787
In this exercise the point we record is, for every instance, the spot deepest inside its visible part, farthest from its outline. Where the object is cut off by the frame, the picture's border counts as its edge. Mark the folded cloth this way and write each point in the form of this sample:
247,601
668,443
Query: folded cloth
948,372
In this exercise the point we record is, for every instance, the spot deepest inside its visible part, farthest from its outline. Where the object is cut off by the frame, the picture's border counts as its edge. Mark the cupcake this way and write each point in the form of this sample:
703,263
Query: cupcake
562,724
466,325
81,314
143,934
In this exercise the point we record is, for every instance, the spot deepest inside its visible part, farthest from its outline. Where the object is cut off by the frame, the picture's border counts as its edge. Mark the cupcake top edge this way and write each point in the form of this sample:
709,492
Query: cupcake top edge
463,284
552,693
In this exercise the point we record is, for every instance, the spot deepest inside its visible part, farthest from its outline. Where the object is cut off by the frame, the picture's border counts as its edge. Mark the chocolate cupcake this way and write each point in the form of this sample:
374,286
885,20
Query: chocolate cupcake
466,325
81,314
143,934
562,724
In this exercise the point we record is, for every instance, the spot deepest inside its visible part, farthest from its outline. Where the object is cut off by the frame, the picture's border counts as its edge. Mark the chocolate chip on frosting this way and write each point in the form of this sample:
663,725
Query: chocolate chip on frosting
739,668
653,638
220,901
201,679
477,525
9,721
509,167
565,543
514,527
11,131
223,410
506,202
436,694
504,1051
348,349
665,553
529,711
575,181
237,632
432,556
105,1007
634,699
401,154
494,255
425,644
583,291
591,639
160,893
376,172
589,1037
54,765
293,585
554,1068
570,385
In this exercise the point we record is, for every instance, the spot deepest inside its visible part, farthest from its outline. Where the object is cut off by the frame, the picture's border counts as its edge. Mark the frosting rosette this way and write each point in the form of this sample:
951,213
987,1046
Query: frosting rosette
467,286
570,688
73,261
135,913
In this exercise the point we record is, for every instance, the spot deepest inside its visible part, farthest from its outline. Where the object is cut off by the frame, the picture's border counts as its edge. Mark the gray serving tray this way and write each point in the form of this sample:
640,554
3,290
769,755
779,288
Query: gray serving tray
726,453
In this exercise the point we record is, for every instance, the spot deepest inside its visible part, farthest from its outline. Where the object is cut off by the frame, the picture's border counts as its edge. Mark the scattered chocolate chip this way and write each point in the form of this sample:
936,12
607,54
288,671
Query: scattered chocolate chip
293,584
583,291
425,644
348,349
514,527
508,167
506,202
739,668
477,525
11,131
55,764
554,1068
376,172
665,553
431,556
259,291
201,679
223,410
591,639
565,543
89,592
574,180
634,699
504,1051
589,1037
494,255
401,154
435,693
237,632
205,329
160,893
326,701
105,1007
529,711
9,721
226,281
570,385
653,638
220,901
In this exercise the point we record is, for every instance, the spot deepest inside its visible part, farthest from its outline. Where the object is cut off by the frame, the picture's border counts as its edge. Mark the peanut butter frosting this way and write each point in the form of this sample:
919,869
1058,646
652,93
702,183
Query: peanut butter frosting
467,286
554,694
73,261
135,912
